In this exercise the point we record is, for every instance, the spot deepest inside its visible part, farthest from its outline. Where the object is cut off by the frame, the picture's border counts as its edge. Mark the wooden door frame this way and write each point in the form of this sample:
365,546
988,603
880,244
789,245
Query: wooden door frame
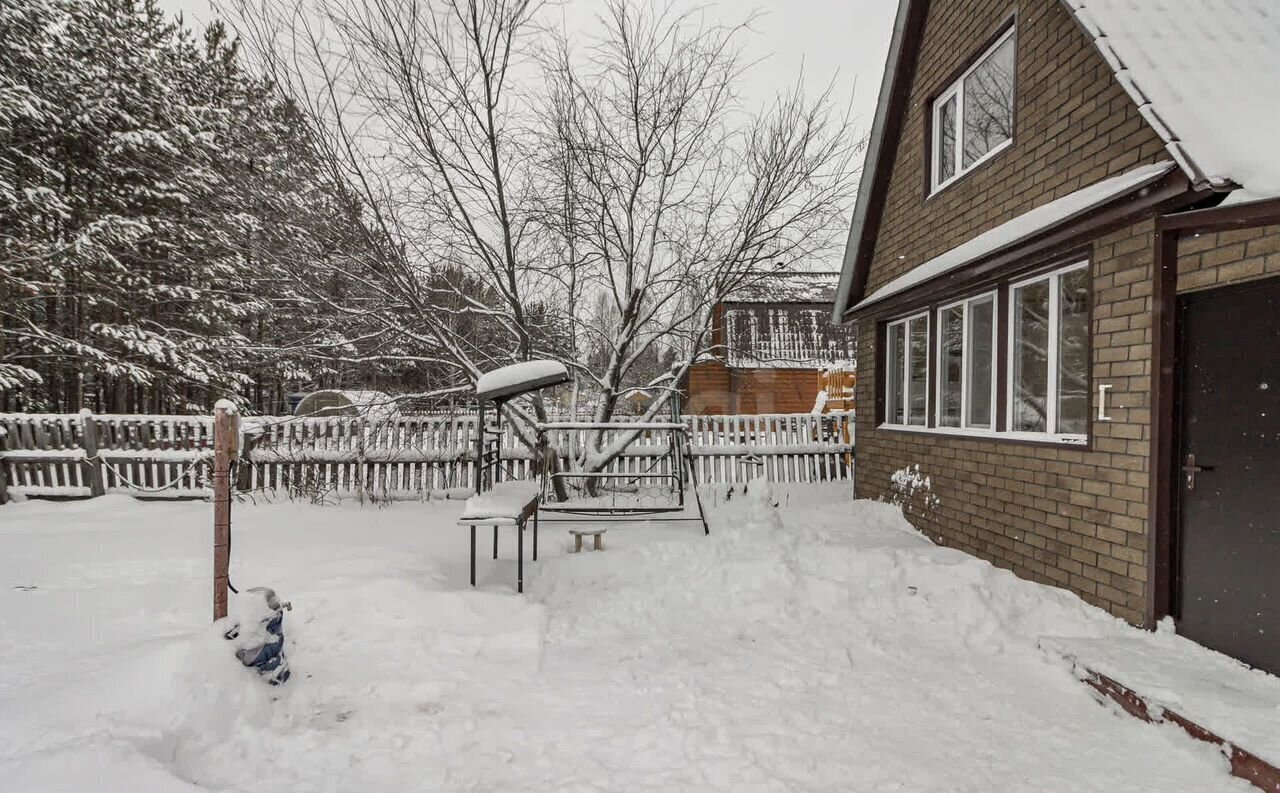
1162,517
1164,360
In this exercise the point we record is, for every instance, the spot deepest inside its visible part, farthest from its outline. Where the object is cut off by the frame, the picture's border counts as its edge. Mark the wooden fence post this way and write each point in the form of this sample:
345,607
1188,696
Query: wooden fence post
226,433
93,466
361,471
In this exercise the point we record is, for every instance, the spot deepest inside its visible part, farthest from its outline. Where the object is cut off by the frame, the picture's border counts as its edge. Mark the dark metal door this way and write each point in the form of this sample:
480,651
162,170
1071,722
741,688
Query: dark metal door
1229,472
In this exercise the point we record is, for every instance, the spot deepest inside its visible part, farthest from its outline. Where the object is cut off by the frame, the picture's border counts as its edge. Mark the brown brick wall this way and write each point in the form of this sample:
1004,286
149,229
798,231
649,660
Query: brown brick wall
1074,125
1071,517
1228,257
714,389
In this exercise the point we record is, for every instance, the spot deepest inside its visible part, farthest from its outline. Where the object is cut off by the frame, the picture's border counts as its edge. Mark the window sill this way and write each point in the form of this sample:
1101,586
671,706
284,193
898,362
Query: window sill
1042,438
959,177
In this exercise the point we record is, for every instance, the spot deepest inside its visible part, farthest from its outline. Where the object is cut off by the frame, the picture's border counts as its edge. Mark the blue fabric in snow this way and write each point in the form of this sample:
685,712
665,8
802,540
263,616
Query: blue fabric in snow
269,659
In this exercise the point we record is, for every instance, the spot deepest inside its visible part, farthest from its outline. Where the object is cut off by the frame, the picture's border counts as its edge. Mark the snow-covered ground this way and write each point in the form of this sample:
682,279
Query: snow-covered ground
823,646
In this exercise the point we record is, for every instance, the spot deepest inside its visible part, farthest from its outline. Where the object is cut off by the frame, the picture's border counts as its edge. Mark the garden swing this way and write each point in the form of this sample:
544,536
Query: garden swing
654,491
635,488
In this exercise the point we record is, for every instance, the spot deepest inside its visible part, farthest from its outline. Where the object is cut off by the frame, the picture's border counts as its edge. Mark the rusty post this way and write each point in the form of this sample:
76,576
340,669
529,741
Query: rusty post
226,433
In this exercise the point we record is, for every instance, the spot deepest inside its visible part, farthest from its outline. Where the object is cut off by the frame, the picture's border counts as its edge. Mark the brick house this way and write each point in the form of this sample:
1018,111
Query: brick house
1064,272
771,346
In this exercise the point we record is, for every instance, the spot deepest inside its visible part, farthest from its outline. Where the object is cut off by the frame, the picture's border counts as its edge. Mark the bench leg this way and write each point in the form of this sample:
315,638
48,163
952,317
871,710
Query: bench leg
599,542
473,554
535,535
520,557
495,542
577,543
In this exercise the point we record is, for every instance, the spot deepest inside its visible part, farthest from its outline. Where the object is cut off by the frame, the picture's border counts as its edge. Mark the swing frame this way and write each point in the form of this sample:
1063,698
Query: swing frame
682,473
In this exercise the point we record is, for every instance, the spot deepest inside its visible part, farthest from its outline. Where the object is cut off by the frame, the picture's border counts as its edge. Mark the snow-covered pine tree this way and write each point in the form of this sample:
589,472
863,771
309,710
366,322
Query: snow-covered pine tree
153,198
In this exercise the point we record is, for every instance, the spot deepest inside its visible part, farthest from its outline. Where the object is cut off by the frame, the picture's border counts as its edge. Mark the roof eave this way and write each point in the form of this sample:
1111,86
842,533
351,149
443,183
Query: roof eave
1169,193
873,163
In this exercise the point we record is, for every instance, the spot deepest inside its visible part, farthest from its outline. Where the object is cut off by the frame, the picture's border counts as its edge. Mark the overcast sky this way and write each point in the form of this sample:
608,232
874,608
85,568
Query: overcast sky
841,40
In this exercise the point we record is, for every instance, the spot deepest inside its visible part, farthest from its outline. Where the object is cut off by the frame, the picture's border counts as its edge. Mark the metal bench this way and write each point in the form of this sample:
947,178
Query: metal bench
505,504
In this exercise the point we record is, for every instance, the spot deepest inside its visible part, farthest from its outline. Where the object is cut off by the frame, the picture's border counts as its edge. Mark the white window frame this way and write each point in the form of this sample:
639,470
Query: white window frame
1054,277
956,89
905,322
994,297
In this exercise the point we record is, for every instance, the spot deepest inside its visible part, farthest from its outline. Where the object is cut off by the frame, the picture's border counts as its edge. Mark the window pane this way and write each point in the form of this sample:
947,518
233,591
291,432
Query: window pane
982,317
950,362
1030,307
946,141
895,404
1073,352
919,387
988,103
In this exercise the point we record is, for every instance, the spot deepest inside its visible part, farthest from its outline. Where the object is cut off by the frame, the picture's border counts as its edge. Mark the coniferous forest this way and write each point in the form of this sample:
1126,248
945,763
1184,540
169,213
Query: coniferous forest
157,203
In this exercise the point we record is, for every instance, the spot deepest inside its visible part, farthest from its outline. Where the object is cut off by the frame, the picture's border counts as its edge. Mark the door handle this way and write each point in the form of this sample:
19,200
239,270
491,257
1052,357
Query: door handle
1190,469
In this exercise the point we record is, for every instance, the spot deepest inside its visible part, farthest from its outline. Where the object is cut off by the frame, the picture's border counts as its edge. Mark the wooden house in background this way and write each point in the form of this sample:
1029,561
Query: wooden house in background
774,348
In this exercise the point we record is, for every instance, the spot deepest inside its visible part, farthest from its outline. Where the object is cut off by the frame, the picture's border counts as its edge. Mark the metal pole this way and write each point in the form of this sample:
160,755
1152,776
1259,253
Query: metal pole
479,463
473,554
225,433
497,446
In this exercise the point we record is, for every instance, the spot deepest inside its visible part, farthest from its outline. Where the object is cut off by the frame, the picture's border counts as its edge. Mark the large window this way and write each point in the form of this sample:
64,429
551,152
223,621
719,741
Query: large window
966,363
1013,362
973,118
1049,353
907,371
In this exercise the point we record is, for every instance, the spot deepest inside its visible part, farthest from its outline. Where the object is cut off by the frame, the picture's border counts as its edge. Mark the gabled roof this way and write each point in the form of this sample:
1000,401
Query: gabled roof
788,287
895,85
764,335
1202,73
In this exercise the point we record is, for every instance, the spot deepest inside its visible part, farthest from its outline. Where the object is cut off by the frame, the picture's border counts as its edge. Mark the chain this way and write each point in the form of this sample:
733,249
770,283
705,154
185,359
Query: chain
142,488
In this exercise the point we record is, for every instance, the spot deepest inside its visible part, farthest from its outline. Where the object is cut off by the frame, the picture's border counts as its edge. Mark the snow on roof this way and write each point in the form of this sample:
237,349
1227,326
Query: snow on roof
785,337
789,287
346,402
1022,227
1203,74
520,377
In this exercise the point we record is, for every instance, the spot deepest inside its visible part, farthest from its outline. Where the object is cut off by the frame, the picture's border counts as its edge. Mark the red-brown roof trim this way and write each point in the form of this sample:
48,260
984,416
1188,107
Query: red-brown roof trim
895,89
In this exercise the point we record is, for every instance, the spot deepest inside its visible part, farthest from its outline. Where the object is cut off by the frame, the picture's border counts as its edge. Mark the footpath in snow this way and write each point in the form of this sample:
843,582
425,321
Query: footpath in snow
821,646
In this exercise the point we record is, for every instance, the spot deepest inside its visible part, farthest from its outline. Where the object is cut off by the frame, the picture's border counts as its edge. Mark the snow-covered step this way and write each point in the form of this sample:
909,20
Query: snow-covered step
1163,677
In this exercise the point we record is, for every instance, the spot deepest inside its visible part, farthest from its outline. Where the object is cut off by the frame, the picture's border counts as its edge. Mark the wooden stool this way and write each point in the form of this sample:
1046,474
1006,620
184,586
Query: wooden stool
578,534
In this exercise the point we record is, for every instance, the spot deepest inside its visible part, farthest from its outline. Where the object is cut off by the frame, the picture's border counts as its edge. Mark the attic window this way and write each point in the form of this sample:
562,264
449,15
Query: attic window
973,117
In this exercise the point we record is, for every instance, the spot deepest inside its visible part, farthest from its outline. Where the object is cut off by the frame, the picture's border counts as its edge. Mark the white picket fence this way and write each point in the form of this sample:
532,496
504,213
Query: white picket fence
402,457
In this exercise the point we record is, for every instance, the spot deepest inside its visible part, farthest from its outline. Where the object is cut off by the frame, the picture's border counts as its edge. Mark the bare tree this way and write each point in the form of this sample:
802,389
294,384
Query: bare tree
606,195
